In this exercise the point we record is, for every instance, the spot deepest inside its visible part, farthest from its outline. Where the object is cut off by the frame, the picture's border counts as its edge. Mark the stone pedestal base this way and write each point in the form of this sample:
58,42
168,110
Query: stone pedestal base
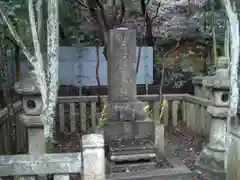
130,141
122,135
126,111
209,169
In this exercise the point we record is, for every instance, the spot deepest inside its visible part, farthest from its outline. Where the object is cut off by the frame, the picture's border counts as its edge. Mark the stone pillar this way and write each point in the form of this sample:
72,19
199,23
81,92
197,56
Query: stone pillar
122,76
93,157
212,156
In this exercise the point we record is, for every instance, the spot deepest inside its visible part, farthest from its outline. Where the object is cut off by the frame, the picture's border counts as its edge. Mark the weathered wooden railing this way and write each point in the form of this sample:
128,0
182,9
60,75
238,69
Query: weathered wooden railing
78,113
195,115
10,143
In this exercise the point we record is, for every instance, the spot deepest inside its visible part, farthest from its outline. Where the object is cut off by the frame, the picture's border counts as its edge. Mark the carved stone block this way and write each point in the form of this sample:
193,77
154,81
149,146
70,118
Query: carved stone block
126,111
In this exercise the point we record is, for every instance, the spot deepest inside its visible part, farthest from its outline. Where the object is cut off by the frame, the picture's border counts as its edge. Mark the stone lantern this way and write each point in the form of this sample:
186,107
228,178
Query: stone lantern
32,107
212,156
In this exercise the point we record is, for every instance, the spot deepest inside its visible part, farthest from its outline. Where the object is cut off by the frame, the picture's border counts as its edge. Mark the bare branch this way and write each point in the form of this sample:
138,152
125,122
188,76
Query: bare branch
114,18
138,58
122,14
81,4
158,7
39,6
162,74
26,52
102,10
171,50
99,19
38,65
36,42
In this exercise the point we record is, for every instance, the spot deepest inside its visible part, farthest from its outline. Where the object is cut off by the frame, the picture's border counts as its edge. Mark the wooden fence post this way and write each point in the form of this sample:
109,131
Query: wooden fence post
93,157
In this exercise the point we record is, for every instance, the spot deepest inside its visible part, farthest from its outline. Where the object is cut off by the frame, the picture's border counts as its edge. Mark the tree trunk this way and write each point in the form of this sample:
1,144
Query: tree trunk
52,73
149,35
233,69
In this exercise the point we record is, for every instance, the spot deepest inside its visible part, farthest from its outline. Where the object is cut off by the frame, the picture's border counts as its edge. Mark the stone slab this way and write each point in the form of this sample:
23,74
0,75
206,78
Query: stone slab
133,157
130,151
180,173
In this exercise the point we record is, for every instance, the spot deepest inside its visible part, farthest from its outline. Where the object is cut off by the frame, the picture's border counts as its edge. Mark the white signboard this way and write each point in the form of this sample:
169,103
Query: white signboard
78,65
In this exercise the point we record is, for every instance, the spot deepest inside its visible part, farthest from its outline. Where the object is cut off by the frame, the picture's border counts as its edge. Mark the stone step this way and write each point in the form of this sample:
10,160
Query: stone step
160,174
126,167
133,157
133,149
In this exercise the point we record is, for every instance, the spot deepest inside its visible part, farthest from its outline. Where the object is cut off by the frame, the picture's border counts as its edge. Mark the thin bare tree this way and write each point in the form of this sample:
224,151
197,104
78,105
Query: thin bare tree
47,79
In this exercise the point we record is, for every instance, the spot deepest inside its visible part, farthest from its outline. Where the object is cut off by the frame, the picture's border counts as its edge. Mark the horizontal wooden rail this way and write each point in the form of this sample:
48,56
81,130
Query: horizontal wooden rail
150,97
79,113
196,100
176,103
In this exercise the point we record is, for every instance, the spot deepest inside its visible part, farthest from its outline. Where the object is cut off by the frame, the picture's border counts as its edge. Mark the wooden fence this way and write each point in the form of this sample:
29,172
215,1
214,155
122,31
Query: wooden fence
78,113
74,111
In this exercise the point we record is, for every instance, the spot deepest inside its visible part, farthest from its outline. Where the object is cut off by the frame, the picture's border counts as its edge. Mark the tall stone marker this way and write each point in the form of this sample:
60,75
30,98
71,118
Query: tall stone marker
122,63
127,134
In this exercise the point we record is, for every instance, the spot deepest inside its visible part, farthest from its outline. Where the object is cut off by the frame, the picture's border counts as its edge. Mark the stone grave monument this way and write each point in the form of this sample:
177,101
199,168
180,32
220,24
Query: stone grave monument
128,136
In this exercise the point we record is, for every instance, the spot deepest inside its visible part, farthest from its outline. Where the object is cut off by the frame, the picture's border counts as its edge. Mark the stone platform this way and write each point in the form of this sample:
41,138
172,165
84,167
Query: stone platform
132,154
151,171
161,174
